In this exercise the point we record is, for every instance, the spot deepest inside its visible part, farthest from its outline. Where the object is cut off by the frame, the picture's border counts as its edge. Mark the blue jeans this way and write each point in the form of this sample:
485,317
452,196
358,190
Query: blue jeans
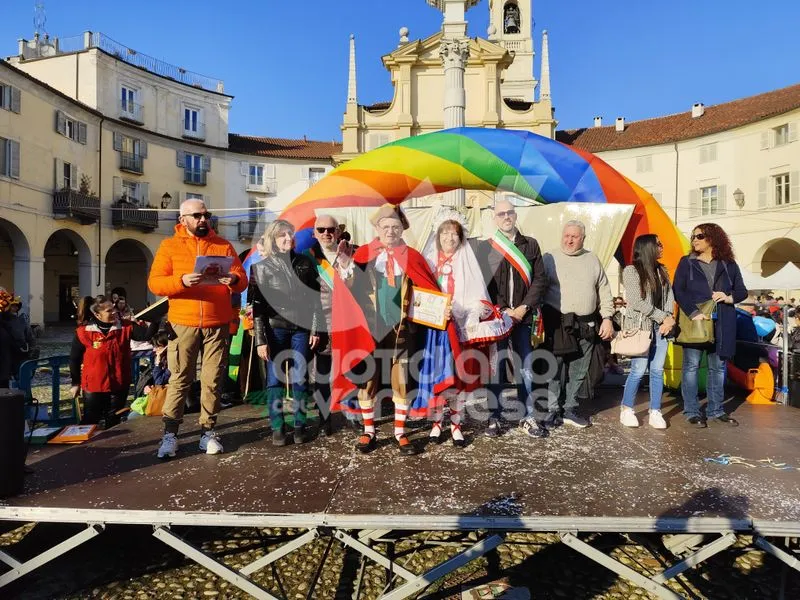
291,345
518,344
715,387
655,362
571,371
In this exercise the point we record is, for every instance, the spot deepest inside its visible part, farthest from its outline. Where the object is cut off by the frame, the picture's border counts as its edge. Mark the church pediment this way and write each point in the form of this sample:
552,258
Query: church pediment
426,51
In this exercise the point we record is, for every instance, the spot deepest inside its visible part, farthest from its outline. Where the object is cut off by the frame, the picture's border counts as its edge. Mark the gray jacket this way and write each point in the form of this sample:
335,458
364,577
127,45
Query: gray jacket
640,312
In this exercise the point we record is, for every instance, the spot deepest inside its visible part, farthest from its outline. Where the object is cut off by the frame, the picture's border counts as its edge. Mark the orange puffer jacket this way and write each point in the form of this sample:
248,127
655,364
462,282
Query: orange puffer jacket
201,305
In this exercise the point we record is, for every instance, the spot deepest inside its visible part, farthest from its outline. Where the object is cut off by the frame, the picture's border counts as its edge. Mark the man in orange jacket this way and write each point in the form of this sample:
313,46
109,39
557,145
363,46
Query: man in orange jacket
200,312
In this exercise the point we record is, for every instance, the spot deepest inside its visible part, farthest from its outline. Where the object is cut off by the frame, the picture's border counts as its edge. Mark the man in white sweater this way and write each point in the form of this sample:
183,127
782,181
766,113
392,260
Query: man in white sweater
577,304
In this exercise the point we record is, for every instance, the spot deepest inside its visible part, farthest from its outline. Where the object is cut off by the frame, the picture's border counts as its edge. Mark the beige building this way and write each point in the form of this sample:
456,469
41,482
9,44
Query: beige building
498,82
736,164
98,146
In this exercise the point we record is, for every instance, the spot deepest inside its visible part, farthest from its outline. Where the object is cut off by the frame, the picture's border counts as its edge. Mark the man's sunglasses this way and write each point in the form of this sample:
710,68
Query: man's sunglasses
199,215
505,213
330,230
699,236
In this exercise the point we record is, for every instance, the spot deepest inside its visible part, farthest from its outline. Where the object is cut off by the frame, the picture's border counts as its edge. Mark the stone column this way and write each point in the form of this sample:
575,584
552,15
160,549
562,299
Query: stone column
29,285
454,54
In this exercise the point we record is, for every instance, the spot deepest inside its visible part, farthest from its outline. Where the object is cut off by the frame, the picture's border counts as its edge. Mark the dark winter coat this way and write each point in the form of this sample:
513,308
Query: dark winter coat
691,289
497,272
285,294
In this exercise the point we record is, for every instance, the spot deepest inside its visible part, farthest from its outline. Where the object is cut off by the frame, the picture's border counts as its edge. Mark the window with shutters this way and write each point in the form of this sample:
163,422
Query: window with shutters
10,98
194,169
131,192
376,140
644,164
782,189
315,174
9,158
70,128
256,176
781,135
132,152
709,200
708,153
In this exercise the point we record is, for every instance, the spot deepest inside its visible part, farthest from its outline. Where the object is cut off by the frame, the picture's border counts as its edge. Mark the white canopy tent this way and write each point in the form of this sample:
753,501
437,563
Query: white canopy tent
787,278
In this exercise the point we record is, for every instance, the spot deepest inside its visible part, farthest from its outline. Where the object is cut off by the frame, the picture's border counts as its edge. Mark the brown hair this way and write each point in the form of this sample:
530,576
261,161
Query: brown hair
459,231
84,310
719,241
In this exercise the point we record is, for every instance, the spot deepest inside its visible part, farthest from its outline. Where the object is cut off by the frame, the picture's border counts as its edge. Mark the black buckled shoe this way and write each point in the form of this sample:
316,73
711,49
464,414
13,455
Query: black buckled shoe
405,446
366,443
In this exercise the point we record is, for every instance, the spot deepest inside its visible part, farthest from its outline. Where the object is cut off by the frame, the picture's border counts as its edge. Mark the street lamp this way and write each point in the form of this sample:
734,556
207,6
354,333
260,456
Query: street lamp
166,200
738,197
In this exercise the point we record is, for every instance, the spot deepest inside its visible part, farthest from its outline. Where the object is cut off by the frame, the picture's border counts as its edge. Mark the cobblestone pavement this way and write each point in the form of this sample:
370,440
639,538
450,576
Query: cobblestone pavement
136,566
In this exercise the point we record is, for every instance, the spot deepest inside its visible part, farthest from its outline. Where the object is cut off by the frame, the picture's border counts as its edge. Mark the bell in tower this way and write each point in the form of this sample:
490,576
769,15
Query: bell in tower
511,18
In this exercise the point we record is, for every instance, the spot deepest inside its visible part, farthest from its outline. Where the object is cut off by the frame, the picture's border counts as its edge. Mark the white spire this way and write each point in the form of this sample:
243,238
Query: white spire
352,95
544,90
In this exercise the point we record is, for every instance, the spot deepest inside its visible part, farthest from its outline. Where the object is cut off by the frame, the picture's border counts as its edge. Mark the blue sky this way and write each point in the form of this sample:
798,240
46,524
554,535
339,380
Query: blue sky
286,62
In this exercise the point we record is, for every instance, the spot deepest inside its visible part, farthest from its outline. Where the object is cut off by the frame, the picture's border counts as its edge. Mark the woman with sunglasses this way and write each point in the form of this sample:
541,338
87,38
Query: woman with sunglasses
287,318
650,307
102,346
709,272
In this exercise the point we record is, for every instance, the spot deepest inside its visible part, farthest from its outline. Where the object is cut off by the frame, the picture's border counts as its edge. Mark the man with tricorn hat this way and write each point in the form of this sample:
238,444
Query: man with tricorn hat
373,339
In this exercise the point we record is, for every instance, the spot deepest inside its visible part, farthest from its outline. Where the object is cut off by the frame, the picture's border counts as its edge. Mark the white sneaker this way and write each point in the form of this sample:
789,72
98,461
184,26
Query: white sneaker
628,418
657,420
169,446
209,443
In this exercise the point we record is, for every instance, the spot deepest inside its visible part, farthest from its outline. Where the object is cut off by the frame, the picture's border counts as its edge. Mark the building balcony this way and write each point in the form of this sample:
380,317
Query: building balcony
131,112
198,133
130,162
125,214
194,176
74,205
246,230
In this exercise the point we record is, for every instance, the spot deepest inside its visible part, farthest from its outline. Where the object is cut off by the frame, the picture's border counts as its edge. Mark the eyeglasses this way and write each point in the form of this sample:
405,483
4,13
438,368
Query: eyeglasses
659,244
505,213
199,215
330,230
699,236
387,228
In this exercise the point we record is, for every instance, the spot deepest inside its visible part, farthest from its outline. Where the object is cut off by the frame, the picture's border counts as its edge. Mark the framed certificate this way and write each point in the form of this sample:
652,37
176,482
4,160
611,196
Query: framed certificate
428,308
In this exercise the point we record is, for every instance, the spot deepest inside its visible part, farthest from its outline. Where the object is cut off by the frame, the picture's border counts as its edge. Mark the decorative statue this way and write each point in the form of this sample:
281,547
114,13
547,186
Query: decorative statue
511,19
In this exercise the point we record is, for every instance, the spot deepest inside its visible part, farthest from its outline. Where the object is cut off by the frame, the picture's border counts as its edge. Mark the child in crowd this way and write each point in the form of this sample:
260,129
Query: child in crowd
102,348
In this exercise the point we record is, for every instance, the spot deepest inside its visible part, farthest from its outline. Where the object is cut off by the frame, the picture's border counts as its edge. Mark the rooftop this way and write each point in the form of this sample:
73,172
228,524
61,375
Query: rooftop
46,47
282,148
679,127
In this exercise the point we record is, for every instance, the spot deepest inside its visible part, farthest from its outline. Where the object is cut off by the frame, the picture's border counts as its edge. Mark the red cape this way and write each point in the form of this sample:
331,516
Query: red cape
351,339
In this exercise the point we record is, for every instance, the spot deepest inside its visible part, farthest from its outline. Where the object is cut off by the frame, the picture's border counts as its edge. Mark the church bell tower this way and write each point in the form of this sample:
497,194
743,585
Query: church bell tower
512,24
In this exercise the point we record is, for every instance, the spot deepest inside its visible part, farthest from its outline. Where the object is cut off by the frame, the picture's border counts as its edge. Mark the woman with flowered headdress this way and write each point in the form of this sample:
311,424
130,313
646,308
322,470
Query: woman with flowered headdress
478,322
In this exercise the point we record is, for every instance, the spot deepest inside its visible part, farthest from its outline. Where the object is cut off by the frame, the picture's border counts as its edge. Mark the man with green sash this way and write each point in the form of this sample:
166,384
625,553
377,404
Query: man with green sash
514,273
324,253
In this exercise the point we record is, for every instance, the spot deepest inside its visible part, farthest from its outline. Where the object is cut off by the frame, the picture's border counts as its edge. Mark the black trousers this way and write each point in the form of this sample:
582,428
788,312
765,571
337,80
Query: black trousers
98,406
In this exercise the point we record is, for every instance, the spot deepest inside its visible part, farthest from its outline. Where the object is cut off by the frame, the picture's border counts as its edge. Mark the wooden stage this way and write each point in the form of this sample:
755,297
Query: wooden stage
604,478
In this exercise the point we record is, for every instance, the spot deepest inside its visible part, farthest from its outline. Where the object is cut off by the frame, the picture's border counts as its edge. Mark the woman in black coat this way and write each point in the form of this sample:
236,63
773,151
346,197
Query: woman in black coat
287,316
709,272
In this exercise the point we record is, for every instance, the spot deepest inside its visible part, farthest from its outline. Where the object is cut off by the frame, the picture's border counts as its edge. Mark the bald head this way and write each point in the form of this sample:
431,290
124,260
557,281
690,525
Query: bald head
190,211
326,231
505,216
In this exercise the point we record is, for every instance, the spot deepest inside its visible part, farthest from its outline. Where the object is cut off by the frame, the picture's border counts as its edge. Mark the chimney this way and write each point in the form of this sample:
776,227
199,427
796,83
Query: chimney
698,110
620,124
598,121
